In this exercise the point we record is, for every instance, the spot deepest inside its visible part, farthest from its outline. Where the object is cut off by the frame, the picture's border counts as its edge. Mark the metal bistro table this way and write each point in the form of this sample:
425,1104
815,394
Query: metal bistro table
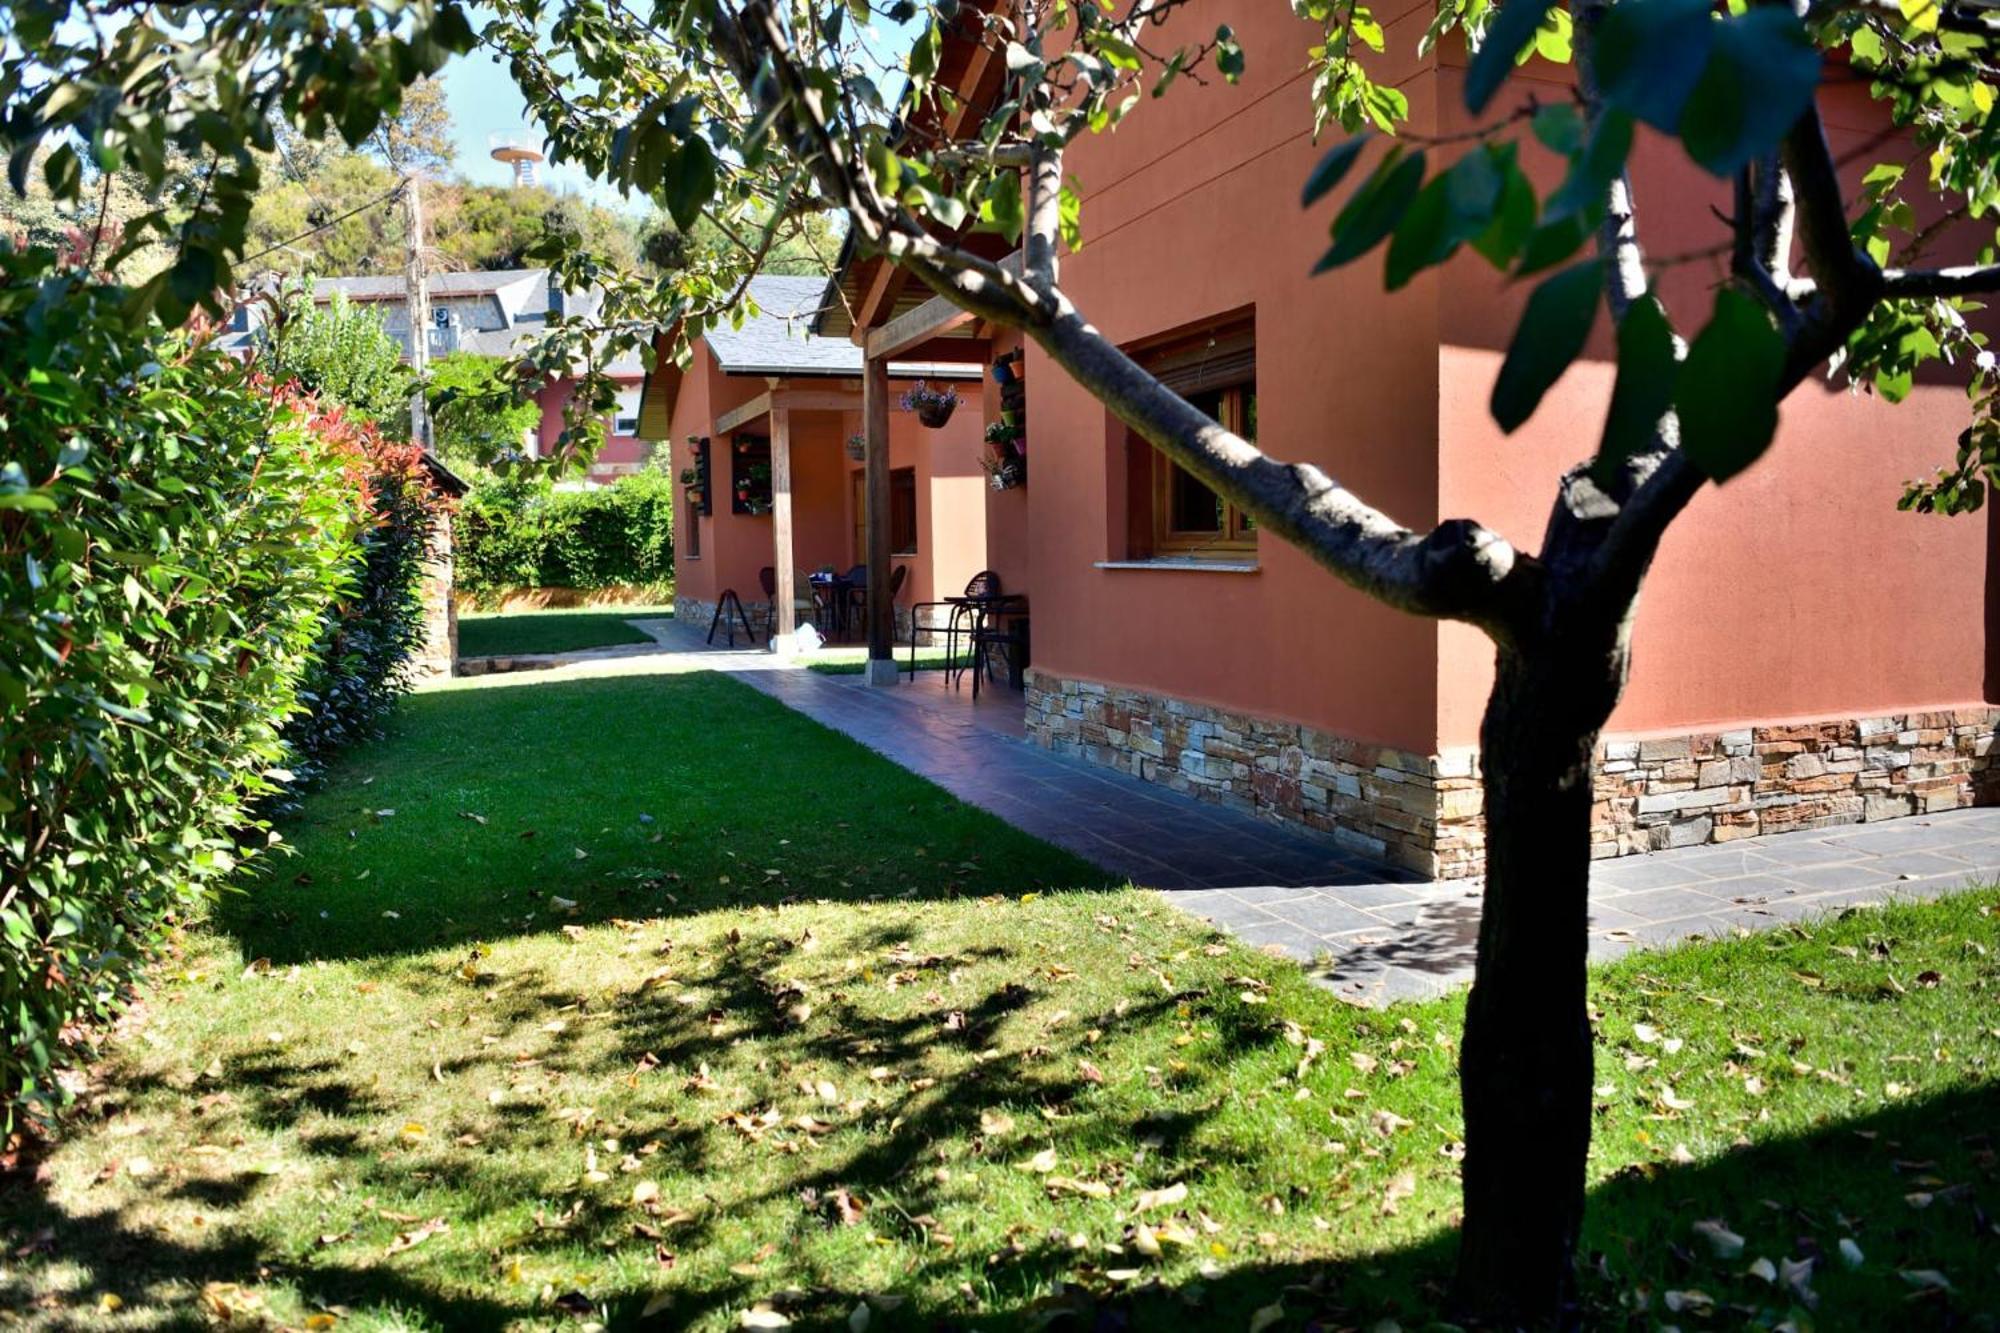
834,591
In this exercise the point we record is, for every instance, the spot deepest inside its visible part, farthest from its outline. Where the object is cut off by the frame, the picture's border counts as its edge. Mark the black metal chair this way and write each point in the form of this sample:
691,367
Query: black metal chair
805,599
1002,624
980,587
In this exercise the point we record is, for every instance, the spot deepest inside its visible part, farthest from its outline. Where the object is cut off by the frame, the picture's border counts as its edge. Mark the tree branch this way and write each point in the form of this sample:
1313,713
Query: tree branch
1963,280
1846,282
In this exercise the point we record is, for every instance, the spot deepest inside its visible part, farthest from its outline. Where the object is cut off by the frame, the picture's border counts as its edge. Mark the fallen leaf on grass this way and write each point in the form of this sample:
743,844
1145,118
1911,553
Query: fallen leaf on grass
409,1240
1041,1163
1725,1243
1166,1197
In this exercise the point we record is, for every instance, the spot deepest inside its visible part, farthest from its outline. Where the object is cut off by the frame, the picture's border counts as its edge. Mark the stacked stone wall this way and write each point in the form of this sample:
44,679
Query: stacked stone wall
1425,812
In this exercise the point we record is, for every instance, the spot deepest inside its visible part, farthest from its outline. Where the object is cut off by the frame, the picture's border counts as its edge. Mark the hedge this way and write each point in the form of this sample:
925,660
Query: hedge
515,533
368,639
172,534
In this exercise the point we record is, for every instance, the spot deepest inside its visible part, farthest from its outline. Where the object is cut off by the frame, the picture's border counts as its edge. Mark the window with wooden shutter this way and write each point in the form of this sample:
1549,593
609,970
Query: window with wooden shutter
1216,371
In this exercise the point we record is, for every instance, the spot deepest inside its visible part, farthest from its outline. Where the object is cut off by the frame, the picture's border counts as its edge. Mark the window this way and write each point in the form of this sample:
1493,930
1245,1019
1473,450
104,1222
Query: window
1171,513
626,422
903,511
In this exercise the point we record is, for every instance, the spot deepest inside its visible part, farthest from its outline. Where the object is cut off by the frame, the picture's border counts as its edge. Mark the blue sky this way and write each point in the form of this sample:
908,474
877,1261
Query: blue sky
483,101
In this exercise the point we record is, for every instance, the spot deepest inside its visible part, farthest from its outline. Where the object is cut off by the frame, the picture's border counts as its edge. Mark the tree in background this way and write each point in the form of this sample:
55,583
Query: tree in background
341,352
478,411
417,137
806,245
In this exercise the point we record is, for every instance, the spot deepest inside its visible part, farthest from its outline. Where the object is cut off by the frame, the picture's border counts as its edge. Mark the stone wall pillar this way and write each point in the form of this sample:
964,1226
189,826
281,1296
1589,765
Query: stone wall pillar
438,657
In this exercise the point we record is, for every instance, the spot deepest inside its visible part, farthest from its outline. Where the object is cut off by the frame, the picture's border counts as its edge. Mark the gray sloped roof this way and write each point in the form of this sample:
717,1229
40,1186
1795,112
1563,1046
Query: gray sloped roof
775,340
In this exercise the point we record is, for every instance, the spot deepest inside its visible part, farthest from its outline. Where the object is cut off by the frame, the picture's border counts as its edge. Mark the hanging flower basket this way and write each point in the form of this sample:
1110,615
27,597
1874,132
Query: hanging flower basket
932,406
857,447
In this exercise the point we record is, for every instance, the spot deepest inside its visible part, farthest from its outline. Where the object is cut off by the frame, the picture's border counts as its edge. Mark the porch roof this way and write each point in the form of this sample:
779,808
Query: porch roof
778,343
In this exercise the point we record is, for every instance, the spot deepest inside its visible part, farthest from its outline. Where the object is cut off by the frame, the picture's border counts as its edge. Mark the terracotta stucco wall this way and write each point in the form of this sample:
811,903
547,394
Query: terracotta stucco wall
619,452
1794,591
693,575
1191,212
951,524
1007,526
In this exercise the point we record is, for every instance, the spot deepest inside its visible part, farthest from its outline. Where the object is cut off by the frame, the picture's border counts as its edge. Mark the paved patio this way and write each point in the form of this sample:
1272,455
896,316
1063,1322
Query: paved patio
1371,933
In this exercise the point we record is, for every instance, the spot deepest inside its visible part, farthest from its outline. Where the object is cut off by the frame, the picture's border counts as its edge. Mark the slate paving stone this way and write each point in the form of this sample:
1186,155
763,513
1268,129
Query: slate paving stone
1845,875
1393,935
1323,915
1667,904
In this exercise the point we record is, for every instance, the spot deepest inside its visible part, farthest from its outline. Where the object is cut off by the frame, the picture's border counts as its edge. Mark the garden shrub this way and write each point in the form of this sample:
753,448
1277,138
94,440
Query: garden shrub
516,533
361,659
171,536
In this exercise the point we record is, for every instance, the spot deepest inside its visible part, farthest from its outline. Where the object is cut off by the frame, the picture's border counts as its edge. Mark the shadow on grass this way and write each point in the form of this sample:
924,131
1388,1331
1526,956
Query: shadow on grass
1790,1198
571,802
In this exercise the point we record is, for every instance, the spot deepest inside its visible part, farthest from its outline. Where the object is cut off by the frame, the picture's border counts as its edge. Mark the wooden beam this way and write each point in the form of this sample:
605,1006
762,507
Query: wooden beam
933,319
817,400
744,415
784,622
875,429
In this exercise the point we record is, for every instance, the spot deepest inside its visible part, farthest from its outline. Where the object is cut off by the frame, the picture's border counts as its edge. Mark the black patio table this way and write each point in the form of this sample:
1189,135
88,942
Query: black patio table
833,590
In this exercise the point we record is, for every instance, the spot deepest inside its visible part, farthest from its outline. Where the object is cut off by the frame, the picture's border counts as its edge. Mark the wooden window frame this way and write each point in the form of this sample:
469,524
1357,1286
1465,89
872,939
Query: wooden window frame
1236,537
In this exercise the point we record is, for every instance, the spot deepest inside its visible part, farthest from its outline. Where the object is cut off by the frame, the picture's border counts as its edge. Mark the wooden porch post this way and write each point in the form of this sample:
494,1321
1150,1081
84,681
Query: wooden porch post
881,611
783,616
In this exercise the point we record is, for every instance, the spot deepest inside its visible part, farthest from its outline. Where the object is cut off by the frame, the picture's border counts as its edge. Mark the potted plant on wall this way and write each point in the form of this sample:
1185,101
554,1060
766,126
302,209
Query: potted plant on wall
932,406
857,447
1006,456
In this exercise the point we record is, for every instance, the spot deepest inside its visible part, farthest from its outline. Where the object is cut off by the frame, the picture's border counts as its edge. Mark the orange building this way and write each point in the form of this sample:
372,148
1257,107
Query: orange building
1805,654
763,424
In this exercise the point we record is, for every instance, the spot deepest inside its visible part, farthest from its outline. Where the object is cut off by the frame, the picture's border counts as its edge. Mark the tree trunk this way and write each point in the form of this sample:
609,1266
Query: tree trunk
1525,1065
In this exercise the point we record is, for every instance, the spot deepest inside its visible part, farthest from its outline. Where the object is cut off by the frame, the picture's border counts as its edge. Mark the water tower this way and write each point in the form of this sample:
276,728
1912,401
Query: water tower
519,150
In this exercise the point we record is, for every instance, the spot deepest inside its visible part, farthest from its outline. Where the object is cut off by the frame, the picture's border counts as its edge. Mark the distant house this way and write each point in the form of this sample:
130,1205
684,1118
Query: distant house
494,312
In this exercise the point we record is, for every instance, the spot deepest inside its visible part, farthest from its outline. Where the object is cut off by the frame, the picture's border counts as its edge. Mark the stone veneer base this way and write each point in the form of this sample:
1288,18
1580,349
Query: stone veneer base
1425,812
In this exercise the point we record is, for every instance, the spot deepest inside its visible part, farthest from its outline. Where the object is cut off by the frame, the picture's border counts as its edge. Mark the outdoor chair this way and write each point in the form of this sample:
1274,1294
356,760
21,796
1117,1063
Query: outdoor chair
805,602
980,587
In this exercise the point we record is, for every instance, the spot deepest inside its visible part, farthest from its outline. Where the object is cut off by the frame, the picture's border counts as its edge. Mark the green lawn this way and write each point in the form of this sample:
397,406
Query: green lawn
644,1002
853,660
491,634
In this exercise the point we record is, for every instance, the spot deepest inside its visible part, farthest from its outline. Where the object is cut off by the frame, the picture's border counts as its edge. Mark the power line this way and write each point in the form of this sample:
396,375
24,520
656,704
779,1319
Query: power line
329,223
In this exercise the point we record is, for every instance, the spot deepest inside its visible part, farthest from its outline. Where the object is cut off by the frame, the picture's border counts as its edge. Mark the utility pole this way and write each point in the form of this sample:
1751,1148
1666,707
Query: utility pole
418,301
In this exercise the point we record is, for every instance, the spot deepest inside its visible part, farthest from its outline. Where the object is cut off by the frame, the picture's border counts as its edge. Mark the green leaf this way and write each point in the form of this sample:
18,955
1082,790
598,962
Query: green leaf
1333,168
1454,207
1649,55
1559,126
1727,393
1592,170
1375,209
1228,54
1761,76
1512,30
1069,217
1513,219
1645,387
687,182
1551,334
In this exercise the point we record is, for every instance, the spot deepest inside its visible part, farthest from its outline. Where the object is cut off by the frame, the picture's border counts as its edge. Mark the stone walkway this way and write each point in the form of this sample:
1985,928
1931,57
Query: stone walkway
1369,932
